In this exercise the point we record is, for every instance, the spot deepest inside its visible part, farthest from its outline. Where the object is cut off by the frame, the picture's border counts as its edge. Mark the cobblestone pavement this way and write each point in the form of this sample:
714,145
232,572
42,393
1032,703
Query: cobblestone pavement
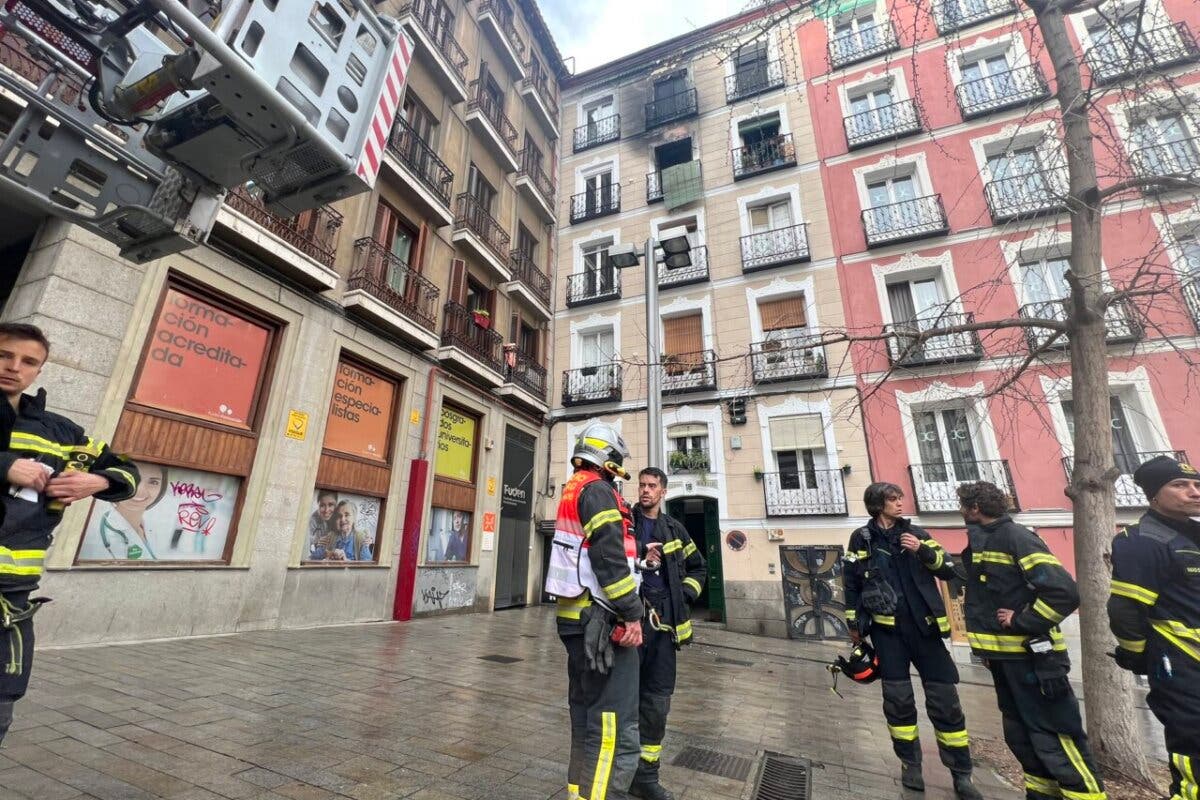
412,711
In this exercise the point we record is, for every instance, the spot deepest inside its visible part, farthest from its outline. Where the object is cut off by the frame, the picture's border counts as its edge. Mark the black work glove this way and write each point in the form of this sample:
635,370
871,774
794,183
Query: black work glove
1050,670
878,597
1137,663
597,640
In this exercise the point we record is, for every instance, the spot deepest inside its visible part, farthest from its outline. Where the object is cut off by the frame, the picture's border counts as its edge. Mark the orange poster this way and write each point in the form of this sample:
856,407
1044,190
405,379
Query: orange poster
203,360
360,413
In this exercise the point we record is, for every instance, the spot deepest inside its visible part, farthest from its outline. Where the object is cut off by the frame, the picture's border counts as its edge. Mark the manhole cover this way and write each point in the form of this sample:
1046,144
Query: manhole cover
783,777
501,659
734,661
714,763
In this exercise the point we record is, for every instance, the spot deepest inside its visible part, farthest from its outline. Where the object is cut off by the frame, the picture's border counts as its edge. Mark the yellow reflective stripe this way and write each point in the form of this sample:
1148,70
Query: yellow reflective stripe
572,791
693,583
128,476
882,619
1070,795
569,607
992,557
1132,645
38,444
93,446
21,562
688,549
851,615
953,738
672,546
603,518
620,588
1005,643
1089,780
1176,633
903,733
683,631
943,624
1043,609
608,743
1134,592
1188,787
1034,559
651,752
1046,786
938,561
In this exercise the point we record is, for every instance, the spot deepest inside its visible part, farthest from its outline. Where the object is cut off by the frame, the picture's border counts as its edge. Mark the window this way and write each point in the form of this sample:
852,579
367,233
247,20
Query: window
683,339
783,317
531,160
892,208
987,79
440,23
595,112
668,87
601,275
598,192
480,189
759,133
874,106
750,66
1018,177
596,349
771,216
864,30
491,92
916,300
946,446
420,119
1126,452
526,244
1189,248
798,444
1164,145
399,238
527,337
673,153
955,12
688,449
1045,283
479,297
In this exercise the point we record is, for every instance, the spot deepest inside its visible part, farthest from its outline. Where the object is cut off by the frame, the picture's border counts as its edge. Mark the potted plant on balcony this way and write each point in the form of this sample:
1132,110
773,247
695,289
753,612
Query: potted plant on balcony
758,474
482,318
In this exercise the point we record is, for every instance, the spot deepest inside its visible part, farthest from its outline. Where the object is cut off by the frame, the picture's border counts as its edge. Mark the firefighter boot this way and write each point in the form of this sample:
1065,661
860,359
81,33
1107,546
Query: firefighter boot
650,791
963,788
910,776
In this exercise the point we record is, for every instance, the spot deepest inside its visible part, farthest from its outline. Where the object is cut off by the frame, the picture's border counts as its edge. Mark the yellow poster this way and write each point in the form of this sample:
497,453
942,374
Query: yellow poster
455,446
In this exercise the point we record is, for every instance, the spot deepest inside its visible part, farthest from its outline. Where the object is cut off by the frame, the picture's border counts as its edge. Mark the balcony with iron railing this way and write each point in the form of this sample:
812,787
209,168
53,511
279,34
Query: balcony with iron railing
775,248
918,218
697,272
425,19
313,233
693,186
497,20
788,358
750,80
1128,493
1121,324
883,124
915,342
461,332
593,286
537,185
594,134
767,155
805,493
955,15
525,372
487,118
1179,159
854,46
423,164
597,384
477,228
596,203
689,372
526,272
694,459
1191,297
384,287
1119,55
1017,87
540,94
672,108
935,485
1039,192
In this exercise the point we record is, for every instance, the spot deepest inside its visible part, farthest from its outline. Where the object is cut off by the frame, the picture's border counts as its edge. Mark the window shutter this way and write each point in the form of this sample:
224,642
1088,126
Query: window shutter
687,430
785,312
683,334
383,225
802,432
417,260
514,328
458,282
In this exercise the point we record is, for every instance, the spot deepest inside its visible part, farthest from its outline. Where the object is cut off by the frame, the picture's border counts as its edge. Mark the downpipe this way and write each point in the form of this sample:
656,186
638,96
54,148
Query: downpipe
410,543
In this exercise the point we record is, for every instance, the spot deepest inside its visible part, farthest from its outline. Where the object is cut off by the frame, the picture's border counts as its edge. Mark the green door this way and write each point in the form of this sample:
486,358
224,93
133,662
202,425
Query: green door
701,517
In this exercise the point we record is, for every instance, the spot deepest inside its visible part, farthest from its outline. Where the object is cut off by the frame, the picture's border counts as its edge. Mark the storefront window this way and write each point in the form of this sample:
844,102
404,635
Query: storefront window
342,527
449,538
455,446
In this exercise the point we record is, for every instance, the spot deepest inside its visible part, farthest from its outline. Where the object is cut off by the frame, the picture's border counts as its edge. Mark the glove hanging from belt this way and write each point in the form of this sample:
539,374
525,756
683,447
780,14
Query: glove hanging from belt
10,616
878,597
597,638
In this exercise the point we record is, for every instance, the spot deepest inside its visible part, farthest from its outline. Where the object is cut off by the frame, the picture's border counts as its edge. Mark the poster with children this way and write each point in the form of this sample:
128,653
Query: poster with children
342,527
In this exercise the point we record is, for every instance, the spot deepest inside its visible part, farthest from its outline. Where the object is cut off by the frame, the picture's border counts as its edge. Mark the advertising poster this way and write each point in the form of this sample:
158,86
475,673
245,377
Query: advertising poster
455,446
449,538
177,514
360,413
342,527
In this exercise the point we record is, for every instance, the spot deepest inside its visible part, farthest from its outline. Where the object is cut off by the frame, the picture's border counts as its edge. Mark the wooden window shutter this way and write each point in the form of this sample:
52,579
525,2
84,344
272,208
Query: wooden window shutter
458,281
682,334
417,260
786,312
382,232
803,432
514,327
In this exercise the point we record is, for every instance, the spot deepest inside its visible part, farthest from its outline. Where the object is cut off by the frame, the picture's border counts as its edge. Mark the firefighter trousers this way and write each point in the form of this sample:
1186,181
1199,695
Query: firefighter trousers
16,660
1175,700
656,687
1046,735
898,650
604,722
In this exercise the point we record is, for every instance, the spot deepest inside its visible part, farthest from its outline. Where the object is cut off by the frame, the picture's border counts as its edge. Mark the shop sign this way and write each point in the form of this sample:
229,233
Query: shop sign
455,446
360,412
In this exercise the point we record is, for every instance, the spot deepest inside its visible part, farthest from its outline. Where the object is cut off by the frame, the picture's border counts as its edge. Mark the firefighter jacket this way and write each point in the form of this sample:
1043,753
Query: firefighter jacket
930,561
594,551
684,568
1156,585
28,525
1009,566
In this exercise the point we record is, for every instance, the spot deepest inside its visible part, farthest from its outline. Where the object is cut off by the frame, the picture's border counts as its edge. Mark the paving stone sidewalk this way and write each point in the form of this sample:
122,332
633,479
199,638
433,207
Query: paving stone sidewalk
411,710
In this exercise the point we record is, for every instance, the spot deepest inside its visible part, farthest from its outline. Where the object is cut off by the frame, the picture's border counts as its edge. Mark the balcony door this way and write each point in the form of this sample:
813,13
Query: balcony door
1019,178
1045,283
400,240
600,276
946,445
798,444
762,143
1166,145
441,23
750,67
785,334
771,216
988,79
860,34
598,193
872,110
1189,249
891,209
683,341
595,117
668,93
597,356
1127,454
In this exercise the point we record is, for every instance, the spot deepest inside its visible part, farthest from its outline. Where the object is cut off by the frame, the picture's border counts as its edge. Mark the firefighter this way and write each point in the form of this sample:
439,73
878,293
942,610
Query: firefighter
891,594
1154,609
48,463
1017,594
594,576
674,578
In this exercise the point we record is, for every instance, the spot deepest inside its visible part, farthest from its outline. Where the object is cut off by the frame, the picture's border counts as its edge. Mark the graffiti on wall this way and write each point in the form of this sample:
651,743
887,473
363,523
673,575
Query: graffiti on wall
445,589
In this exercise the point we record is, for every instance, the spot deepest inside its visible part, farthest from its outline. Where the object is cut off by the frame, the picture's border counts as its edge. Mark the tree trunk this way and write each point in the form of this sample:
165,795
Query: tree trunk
1111,723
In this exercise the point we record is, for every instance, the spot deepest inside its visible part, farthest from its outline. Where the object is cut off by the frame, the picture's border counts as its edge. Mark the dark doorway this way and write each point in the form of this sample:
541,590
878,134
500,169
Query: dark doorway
16,237
701,517
516,519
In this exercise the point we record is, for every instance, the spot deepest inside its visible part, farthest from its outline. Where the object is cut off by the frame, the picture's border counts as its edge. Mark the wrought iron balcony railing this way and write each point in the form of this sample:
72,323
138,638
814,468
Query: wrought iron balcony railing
593,286
905,220
504,16
1191,297
755,79
526,372
770,154
493,112
689,372
1180,159
474,217
1128,493
680,105
384,276
991,93
598,384
1043,191
532,168
955,15
864,43
883,124
595,203
907,348
460,330
788,358
1120,323
935,485
428,14
775,248
654,185
696,273
1119,55
420,159
695,459
594,134
525,271
805,493
539,80
314,233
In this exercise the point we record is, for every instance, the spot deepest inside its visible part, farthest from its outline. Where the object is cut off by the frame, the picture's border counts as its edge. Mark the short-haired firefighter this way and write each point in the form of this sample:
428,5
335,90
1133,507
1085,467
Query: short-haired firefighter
593,574
891,595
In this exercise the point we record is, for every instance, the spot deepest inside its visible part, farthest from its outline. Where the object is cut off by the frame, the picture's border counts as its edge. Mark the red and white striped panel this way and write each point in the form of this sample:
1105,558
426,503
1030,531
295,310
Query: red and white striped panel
385,111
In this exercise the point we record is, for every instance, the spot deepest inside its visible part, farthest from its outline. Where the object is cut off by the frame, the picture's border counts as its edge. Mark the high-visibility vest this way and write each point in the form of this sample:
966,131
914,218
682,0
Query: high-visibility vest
570,572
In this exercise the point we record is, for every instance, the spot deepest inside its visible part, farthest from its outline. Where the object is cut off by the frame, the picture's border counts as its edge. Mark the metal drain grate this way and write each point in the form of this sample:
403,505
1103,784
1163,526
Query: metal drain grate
712,762
783,777
501,659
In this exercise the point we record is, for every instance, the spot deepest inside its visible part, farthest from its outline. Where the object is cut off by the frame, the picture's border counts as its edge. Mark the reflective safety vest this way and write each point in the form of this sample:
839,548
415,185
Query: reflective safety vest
570,573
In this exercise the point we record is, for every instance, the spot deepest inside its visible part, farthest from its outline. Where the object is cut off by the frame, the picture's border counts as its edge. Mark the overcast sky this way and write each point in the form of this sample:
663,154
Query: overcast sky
597,31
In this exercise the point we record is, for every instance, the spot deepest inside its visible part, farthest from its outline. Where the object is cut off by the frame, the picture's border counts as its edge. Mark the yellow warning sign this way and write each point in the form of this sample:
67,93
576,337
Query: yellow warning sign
297,426
414,417
491,487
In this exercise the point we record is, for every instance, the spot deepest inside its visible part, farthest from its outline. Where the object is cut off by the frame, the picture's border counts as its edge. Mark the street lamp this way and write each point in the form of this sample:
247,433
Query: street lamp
676,255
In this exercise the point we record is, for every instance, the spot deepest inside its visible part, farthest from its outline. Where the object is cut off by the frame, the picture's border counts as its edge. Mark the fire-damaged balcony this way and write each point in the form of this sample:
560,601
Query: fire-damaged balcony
1120,323
530,283
470,348
596,384
905,221
486,117
672,108
863,43
303,246
689,182
524,380
787,359
425,22
1120,55
752,80
1033,194
884,124
775,248
496,19
955,15
935,485
1128,493
1003,90
426,176
805,493
689,372
480,231
907,349
696,272
390,293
